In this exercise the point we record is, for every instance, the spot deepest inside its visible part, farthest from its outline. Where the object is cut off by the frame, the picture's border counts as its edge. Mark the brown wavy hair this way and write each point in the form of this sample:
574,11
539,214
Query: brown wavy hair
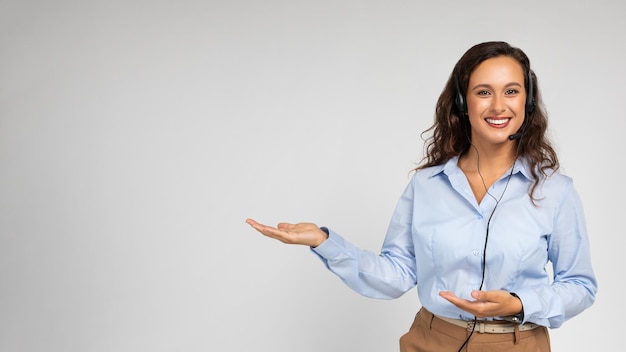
450,130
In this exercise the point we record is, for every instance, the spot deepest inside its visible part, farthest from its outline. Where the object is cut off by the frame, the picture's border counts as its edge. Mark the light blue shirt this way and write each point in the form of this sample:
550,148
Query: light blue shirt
436,238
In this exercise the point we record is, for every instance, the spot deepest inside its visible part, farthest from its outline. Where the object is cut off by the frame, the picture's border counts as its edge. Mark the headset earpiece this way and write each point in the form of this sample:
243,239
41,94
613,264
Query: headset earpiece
460,98
530,92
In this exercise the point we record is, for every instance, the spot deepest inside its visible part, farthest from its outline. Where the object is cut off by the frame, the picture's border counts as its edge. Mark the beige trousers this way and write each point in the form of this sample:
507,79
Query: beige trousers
431,334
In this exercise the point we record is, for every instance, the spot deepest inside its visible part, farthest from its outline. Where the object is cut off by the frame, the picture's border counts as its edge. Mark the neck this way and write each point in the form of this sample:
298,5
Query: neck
484,167
488,160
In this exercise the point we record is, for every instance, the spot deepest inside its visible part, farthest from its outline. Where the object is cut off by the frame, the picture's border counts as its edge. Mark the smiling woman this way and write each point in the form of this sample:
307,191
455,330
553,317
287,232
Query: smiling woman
487,151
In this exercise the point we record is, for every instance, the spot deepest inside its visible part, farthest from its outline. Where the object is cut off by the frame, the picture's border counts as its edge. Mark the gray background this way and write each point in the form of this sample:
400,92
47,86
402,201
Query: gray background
137,136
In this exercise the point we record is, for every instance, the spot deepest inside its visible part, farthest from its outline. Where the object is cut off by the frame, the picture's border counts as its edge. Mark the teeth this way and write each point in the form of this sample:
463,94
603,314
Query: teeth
497,122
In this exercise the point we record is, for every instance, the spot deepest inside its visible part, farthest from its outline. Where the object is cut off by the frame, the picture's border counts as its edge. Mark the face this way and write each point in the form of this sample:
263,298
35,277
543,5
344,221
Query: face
496,100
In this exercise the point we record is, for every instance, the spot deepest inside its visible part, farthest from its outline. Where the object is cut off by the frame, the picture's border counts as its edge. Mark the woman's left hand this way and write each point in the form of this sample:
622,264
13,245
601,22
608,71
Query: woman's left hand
496,303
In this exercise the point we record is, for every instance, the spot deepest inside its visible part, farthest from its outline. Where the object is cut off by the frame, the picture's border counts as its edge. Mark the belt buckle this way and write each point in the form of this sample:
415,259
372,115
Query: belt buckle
478,326
475,326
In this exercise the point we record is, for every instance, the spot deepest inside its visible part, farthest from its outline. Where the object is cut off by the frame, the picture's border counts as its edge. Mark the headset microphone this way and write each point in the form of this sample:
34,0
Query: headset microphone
515,136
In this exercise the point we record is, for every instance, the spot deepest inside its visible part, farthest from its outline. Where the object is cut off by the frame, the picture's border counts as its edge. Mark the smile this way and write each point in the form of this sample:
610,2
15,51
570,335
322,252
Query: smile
497,121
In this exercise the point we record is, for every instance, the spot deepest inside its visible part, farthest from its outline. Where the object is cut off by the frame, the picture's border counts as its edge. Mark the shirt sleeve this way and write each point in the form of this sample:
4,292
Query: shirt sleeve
574,285
385,275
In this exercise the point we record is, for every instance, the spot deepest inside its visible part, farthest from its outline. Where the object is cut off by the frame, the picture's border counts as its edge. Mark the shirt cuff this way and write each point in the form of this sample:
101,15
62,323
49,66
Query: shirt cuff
332,247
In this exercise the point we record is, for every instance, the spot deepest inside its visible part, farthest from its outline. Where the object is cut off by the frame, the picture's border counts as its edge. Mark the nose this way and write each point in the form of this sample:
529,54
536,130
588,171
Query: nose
498,103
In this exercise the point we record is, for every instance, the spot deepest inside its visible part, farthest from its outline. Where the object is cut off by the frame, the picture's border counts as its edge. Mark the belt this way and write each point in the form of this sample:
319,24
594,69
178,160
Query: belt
487,327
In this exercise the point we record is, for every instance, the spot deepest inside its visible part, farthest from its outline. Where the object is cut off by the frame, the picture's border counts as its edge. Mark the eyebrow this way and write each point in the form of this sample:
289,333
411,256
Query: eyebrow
484,85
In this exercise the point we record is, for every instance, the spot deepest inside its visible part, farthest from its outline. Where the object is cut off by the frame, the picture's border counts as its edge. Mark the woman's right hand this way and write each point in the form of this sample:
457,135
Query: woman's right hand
303,233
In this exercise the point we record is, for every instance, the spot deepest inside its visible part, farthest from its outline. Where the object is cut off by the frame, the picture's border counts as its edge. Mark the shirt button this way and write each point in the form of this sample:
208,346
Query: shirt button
475,252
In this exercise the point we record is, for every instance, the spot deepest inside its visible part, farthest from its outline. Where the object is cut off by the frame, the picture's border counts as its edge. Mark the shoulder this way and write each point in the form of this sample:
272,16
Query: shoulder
556,186
557,179
550,177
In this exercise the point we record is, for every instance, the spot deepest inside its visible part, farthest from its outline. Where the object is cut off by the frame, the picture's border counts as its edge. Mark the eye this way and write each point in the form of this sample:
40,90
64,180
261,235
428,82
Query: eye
482,92
511,91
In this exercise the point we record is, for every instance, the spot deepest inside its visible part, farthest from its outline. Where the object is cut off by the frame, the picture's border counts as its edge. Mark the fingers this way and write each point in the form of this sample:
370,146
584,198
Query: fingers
301,233
265,229
285,226
480,295
447,295
496,296
257,226
452,298
251,222
283,232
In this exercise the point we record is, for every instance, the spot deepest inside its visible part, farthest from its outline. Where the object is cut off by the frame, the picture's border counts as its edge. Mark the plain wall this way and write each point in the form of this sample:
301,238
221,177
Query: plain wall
137,136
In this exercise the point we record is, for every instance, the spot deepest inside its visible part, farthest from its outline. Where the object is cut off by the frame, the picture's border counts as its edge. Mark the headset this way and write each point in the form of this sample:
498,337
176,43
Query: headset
461,104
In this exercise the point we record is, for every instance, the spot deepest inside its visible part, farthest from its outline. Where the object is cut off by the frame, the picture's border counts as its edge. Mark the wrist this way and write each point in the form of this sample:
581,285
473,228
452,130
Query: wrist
519,317
324,238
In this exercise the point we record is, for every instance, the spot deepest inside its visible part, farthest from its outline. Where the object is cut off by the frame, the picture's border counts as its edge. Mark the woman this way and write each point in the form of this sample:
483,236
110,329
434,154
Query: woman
483,214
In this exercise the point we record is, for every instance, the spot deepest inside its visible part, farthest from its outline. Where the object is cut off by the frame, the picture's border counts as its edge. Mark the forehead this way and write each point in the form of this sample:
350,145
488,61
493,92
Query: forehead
498,68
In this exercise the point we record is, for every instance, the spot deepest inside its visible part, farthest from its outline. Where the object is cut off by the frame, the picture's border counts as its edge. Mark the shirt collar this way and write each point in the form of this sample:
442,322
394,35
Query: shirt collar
451,167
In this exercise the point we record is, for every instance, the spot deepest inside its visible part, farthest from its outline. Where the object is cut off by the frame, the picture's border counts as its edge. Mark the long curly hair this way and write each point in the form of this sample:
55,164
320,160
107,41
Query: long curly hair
450,130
